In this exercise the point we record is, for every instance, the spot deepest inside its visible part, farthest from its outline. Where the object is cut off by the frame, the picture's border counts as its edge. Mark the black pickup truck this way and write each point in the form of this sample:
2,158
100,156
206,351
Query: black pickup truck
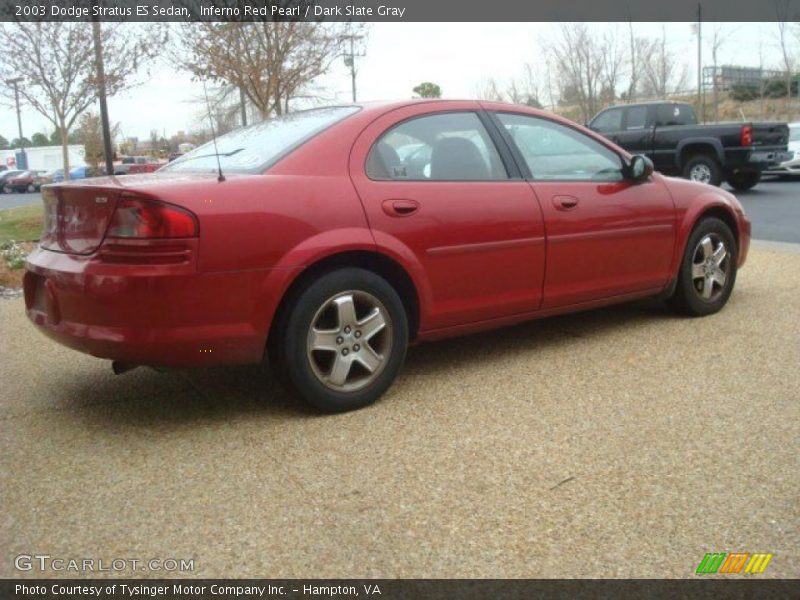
668,133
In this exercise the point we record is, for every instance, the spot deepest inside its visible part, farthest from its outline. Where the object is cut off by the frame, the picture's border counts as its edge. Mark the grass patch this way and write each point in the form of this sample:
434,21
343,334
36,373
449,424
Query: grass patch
21,223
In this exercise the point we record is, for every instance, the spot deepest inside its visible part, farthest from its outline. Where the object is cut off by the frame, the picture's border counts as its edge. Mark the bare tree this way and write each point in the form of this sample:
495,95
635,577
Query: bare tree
664,73
788,61
56,64
588,66
719,36
272,63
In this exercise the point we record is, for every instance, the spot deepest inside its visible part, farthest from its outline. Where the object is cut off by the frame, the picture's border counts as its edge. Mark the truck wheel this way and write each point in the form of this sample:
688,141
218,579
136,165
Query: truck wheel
703,168
708,270
743,180
344,340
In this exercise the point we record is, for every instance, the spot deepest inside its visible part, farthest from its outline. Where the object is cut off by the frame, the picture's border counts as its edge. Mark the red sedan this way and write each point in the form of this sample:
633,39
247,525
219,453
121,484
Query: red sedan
327,240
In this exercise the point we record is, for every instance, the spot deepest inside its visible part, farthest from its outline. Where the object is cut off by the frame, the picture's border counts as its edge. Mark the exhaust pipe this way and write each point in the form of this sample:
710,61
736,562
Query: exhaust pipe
120,367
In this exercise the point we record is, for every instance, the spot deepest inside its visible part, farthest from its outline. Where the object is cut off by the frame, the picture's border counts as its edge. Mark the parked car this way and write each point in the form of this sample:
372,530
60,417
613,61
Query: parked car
6,175
26,181
136,164
319,248
791,166
81,172
668,133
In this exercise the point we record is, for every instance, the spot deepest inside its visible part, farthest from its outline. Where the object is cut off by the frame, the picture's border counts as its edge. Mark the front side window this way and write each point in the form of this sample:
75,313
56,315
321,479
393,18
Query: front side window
610,120
253,149
556,152
443,147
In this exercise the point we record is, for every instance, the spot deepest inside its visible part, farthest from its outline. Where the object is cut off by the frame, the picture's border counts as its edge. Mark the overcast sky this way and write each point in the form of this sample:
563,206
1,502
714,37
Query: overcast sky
457,56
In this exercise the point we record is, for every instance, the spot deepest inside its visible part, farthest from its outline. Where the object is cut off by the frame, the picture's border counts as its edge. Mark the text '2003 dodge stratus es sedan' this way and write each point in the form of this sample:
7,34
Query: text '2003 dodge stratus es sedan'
327,240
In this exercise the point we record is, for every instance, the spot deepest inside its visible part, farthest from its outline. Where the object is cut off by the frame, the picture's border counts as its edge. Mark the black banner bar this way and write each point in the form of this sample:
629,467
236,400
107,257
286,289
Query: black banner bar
390,589
389,10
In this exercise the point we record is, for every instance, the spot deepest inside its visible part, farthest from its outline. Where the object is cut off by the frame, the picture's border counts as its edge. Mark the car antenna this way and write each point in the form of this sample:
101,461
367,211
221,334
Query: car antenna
220,177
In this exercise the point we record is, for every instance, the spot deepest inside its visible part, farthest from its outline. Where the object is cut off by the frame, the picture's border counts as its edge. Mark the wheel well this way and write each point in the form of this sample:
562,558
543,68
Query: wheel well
691,150
379,264
723,215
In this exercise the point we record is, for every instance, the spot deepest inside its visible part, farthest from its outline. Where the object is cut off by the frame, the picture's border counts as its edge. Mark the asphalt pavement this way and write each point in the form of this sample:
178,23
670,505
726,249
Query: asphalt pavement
773,205
623,442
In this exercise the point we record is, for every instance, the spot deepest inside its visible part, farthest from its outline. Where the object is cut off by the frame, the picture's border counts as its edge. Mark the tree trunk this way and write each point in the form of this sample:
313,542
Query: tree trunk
65,150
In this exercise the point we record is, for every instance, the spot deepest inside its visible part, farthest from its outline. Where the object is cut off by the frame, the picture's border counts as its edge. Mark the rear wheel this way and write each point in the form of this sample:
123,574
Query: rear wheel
31,188
744,180
344,341
708,269
703,168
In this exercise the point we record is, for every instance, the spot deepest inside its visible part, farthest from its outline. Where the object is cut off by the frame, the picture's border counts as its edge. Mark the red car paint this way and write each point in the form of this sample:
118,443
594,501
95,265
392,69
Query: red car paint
478,254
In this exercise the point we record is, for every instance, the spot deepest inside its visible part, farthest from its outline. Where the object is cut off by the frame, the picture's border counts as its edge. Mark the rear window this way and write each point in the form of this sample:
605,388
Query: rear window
252,149
675,114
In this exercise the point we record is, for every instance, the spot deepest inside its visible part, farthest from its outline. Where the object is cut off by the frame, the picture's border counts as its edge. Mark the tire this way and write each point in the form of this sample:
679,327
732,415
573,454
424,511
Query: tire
700,268
346,308
743,181
703,168
31,189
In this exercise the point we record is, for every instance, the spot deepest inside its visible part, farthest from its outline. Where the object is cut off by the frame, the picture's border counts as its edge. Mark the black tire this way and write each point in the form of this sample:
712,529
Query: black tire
706,163
688,298
743,181
291,360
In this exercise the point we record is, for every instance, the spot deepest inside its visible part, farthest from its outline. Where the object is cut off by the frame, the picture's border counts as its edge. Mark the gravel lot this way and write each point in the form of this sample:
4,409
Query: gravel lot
623,442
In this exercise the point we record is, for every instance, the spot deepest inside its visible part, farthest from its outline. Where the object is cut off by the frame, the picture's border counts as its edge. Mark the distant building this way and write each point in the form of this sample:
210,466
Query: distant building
45,158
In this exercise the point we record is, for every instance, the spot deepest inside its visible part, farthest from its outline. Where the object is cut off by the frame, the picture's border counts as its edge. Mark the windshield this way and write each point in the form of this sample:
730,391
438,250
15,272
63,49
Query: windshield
253,149
794,133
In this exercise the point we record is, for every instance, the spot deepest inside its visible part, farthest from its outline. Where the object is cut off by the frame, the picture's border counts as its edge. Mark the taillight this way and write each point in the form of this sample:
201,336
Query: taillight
747,135
139,218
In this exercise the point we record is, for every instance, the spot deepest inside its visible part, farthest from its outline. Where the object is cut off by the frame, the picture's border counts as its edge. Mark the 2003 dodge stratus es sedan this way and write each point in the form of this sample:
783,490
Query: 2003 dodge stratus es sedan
327,240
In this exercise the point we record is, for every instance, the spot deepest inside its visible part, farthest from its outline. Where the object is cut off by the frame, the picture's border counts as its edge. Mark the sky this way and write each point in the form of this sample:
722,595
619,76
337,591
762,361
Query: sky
459,57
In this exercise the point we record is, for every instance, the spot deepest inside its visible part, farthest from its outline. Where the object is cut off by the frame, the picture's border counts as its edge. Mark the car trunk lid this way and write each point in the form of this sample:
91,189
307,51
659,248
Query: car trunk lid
76,217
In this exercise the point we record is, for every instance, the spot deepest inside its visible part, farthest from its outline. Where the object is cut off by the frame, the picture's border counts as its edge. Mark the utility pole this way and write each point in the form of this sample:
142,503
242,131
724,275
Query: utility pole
700,62
101,95
15,82
350,61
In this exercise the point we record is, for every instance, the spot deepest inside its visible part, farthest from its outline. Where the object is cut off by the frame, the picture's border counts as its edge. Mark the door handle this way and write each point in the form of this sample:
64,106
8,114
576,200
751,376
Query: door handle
400,207
565,202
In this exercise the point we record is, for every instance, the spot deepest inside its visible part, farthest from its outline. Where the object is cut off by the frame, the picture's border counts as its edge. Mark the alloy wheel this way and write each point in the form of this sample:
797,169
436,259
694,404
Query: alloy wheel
711,263
701,173
349,340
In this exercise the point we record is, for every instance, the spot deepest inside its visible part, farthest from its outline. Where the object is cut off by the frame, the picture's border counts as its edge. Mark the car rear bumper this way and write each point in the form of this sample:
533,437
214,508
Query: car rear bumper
160,315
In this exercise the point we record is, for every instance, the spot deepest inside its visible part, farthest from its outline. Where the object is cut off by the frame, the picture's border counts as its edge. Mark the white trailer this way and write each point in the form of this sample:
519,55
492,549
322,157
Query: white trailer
45,158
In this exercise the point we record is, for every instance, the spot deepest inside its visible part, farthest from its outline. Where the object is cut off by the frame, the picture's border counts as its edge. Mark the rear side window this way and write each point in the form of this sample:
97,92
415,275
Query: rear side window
636,118
610,120
253,149
443,147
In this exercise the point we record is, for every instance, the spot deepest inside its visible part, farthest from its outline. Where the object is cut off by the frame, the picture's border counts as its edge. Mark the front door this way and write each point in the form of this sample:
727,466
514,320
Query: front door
606,236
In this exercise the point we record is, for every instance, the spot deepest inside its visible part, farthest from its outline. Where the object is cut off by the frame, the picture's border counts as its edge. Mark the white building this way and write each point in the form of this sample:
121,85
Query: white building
45,158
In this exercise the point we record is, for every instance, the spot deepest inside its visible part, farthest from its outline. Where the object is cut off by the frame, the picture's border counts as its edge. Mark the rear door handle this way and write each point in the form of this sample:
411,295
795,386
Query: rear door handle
400,207
565,202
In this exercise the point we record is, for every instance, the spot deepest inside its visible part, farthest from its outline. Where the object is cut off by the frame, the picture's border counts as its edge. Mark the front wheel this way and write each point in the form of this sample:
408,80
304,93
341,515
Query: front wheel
743,181
344,341
708,269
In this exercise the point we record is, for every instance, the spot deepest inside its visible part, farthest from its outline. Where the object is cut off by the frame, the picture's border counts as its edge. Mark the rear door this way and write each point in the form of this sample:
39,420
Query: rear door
606,236
437,190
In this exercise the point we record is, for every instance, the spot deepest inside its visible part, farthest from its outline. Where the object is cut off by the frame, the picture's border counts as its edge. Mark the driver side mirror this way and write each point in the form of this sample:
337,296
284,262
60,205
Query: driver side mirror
640,168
